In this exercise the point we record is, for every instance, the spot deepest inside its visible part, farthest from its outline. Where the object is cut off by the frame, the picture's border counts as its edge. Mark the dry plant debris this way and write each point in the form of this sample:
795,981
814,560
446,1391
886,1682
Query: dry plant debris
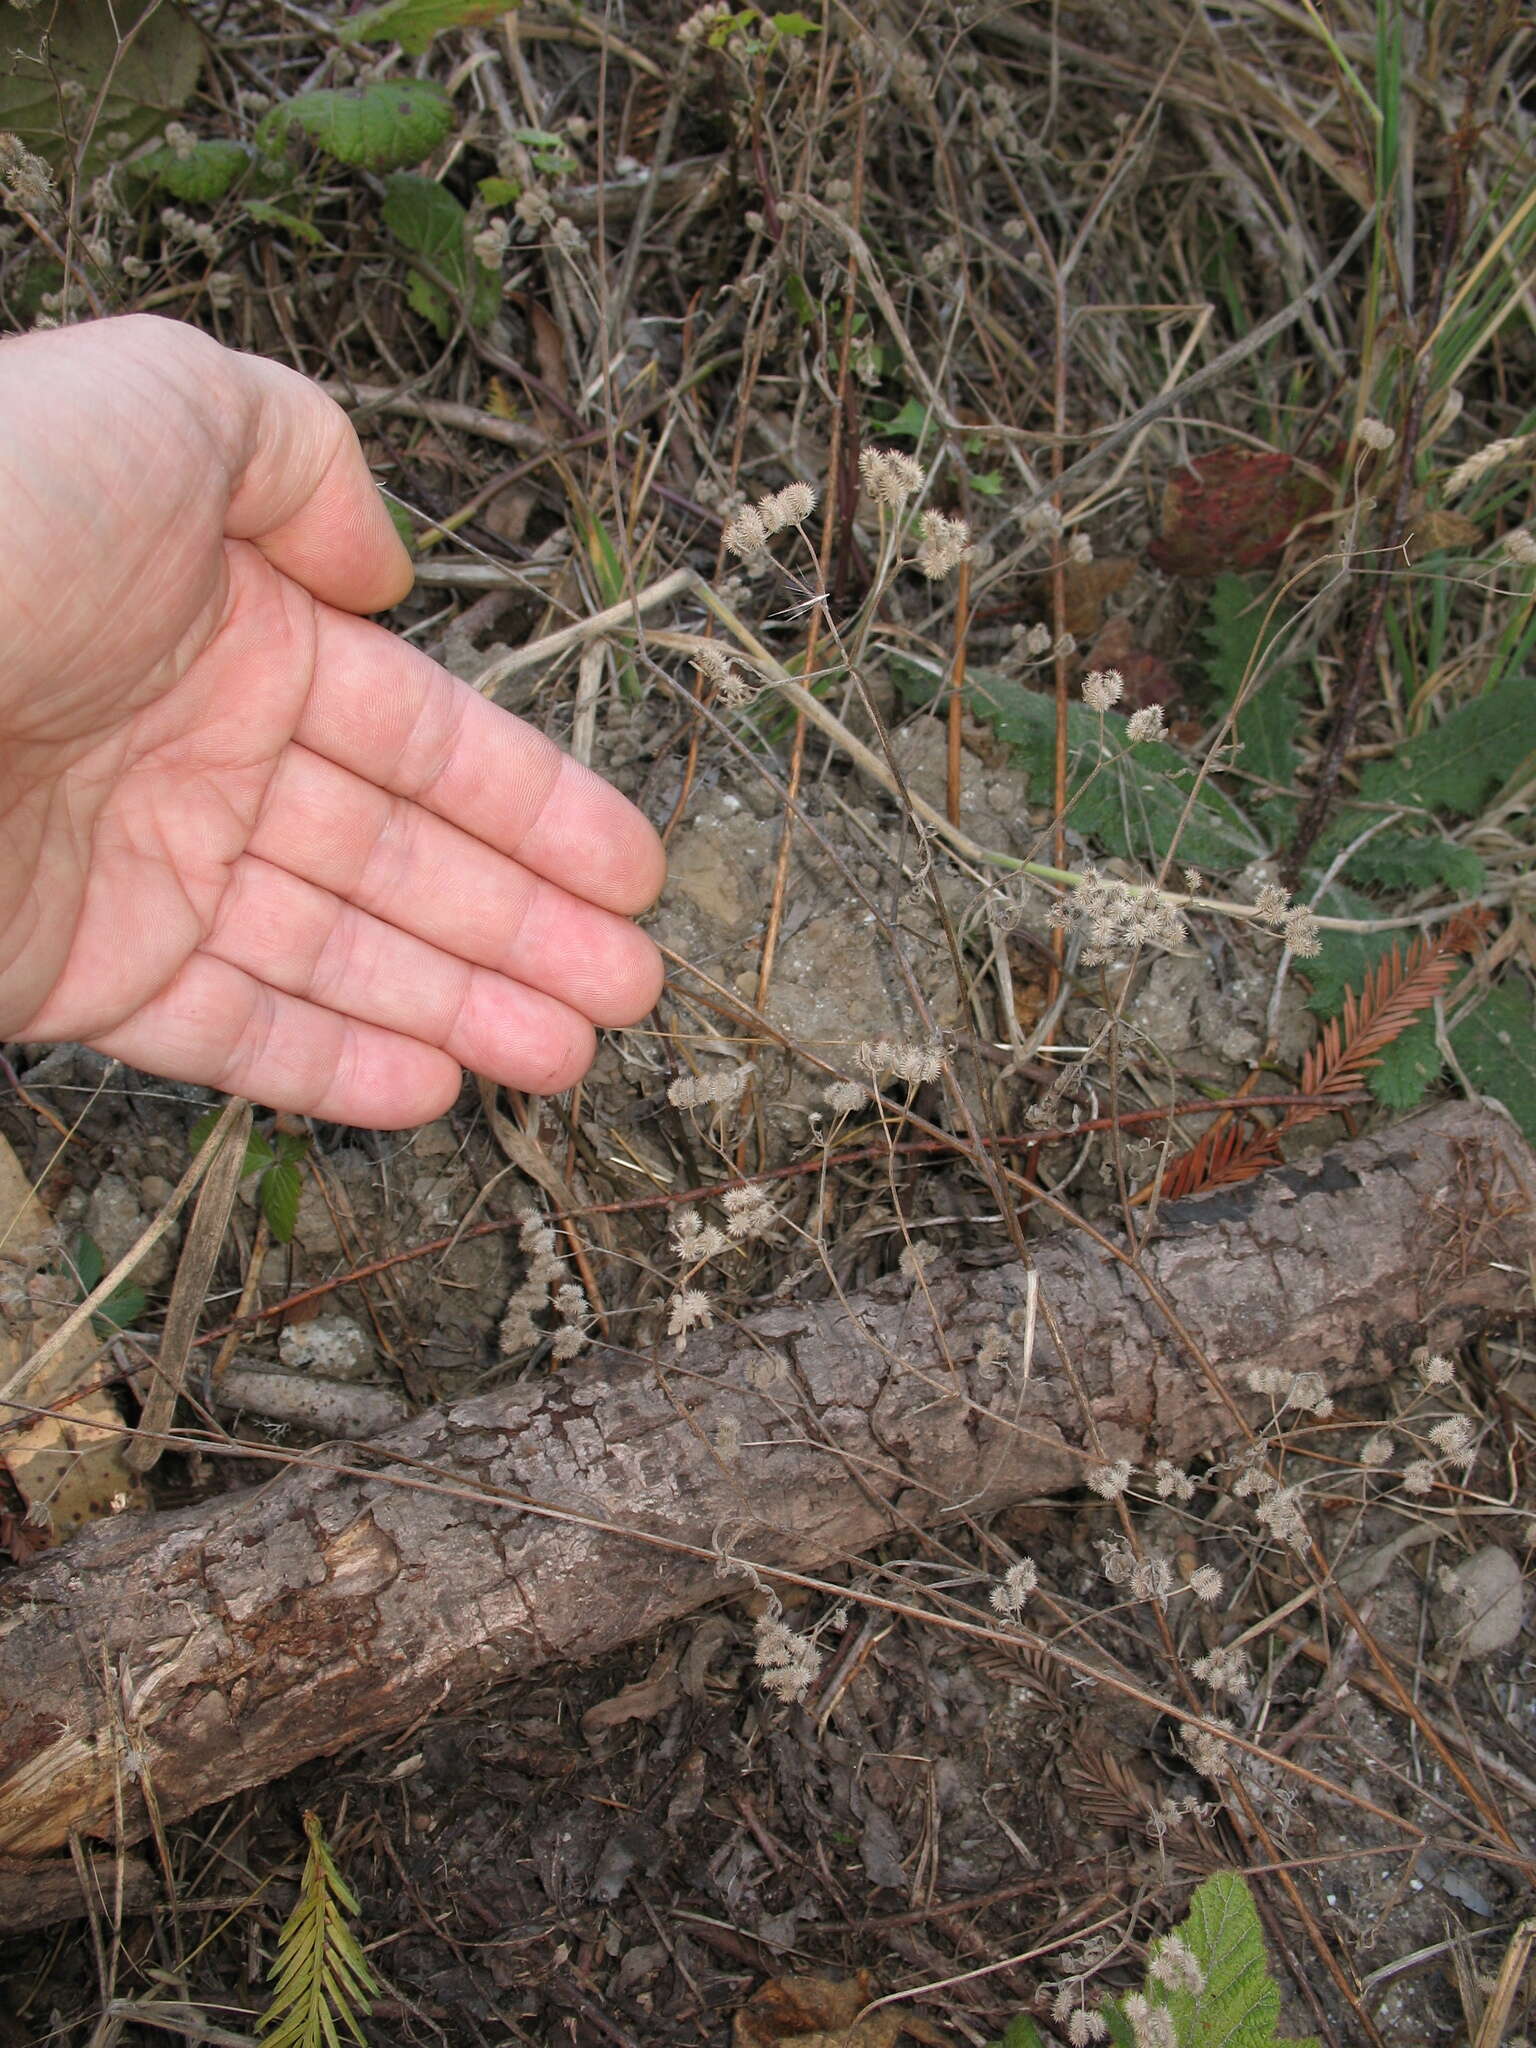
1038,506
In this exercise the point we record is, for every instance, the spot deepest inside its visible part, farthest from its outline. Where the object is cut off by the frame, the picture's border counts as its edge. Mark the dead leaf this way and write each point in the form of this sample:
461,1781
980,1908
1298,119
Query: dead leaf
70,1465
660,1688
1147,677
1234,509
823,2012
1438,527
1087,587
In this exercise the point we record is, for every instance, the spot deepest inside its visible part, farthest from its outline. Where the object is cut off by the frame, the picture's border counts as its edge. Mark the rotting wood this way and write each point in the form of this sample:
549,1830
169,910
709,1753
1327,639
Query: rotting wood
219,1646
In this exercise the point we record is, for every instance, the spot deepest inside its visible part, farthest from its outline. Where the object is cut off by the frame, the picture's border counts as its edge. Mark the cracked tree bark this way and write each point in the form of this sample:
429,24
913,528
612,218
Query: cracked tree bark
219,1646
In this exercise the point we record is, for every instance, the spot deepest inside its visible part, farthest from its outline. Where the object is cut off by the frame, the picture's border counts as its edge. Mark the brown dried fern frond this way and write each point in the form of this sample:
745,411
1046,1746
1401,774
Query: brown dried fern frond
1397,991
1229,1153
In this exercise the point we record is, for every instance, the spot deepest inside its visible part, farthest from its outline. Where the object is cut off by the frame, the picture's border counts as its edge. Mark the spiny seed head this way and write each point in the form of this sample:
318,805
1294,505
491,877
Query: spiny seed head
746,533
1103,688
890,476
1144,725
944,544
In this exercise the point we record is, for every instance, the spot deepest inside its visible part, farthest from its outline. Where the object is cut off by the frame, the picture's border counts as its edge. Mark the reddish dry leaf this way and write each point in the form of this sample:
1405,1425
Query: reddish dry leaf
1233,509
1147,677
823,2012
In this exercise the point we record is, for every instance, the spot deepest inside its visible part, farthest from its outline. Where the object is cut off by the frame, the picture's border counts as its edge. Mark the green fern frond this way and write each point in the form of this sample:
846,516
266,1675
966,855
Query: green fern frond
321,1981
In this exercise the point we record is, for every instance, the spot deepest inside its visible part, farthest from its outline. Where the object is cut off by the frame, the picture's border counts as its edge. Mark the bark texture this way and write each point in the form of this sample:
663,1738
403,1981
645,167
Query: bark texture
219,1646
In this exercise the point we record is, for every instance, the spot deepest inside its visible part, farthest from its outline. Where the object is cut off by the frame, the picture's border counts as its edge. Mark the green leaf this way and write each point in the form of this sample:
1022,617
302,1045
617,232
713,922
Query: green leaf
1495,1043
88,1263
1020,2032
280,1191
913,423
258,1153
499,191
381,126
321,1980
1239,2005
1135,801
1405,1069
1402,861
1457,764
203,175
122,1307
267,216
126,90
989,484
431,223
1266,725
120,1311
795,25
400,519
801,304
413,23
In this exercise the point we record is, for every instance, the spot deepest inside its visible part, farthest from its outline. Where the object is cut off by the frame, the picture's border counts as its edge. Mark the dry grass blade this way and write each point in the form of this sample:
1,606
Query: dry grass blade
210,1219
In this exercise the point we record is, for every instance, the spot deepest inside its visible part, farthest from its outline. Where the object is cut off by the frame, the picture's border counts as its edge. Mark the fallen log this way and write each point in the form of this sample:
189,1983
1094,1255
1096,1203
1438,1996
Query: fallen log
218,1646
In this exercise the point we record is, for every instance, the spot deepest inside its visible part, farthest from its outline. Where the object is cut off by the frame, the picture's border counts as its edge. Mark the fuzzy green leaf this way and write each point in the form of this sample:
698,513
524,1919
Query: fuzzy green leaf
1235,631
413,23
1239,2005
1134,804
203,175
266,215
258,1153
280,1191
1462,760
1495,1044
1405,1069
70,73
1401,861
431,223
381,126
1020,2032
499,191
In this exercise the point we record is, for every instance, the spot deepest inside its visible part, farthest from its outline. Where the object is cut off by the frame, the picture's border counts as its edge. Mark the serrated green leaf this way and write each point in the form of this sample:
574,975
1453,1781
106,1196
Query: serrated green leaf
1235,629
121,1310
88,1263
431,223
499,191
1020,2032
382,126
1402,861
268,216
69,70
280,1191
912,423
1239,2004
1134,803
1405,1069
1495,1044
203,175
1465,758
258,1153
413,23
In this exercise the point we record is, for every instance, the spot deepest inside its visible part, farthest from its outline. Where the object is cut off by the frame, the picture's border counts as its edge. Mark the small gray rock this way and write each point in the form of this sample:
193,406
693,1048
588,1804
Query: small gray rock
1483,1604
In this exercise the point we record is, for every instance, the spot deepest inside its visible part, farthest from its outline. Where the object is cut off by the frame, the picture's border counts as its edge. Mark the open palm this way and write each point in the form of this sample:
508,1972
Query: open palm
247,837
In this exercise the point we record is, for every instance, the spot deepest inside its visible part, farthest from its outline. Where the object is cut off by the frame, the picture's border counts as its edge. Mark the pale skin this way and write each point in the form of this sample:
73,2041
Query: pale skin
248,837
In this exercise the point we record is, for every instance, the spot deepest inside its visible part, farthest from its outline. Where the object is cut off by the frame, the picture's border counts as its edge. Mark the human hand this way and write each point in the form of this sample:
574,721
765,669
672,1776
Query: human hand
248,838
